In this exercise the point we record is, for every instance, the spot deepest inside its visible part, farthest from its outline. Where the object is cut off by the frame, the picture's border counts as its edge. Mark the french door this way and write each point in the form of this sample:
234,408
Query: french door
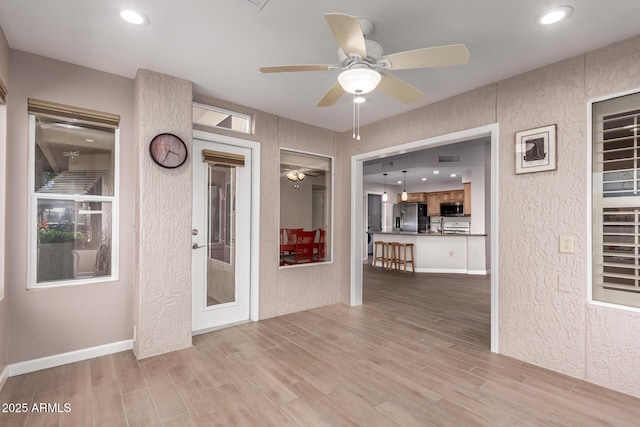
221,234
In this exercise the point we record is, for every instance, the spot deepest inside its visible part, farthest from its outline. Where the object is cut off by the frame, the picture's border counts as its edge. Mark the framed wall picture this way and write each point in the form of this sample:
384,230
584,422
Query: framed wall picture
536,150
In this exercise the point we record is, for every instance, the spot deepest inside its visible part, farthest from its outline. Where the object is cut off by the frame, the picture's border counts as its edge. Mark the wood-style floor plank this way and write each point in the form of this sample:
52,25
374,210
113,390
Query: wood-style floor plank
416,353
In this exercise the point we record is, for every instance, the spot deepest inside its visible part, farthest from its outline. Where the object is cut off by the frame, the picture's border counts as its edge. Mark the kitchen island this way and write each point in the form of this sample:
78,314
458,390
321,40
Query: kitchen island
463,253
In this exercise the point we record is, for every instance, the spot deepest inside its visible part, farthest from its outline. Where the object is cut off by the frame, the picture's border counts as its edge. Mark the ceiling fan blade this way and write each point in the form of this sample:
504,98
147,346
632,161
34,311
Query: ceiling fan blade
332,96
455,54
290,68
399,89
348,33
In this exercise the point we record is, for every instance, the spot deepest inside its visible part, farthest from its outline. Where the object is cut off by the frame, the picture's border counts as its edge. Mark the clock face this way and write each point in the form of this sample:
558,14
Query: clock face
168,150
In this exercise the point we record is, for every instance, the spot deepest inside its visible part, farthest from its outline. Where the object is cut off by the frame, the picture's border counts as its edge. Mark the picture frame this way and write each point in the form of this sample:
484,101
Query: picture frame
536,150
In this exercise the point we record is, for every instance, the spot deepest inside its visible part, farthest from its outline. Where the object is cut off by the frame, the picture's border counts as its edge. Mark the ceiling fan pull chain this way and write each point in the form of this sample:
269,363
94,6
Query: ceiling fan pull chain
358,121
353,110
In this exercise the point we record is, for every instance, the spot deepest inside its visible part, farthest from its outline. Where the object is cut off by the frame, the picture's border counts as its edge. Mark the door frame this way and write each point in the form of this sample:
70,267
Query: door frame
491,131
254,300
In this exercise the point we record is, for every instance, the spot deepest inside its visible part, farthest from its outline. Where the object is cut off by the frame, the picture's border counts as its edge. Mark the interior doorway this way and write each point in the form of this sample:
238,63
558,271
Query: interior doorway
357,221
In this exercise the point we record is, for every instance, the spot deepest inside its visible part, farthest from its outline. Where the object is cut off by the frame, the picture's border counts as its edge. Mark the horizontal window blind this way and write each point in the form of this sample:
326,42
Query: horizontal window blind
219,158
620,246
80,115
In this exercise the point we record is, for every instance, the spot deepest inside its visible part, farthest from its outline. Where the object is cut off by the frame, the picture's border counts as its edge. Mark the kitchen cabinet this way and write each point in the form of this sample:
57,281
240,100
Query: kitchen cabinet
414,198
433,204
467,198
452,196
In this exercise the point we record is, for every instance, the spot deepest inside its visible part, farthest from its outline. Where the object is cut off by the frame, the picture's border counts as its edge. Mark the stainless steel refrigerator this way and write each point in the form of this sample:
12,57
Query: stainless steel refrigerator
405,217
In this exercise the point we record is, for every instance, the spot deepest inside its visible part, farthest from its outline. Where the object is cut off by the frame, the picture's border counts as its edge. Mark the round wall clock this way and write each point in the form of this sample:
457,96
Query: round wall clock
168,150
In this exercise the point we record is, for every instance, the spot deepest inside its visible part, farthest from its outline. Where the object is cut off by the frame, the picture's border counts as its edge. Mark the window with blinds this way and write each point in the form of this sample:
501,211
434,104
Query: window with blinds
616,200
73,181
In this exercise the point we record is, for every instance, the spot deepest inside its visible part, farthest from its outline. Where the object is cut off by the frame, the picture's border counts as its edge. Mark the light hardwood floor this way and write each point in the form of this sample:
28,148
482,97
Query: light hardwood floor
415,354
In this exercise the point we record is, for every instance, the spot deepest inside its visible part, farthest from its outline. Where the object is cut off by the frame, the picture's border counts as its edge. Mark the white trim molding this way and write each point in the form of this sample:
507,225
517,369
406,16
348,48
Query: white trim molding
3,377
65,358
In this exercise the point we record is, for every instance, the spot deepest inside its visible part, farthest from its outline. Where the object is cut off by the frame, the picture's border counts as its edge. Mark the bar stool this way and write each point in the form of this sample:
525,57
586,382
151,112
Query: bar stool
401,257
392,255
383,253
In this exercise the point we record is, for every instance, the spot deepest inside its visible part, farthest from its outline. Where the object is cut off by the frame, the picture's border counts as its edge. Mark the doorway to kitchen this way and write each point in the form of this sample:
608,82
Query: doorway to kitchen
488,132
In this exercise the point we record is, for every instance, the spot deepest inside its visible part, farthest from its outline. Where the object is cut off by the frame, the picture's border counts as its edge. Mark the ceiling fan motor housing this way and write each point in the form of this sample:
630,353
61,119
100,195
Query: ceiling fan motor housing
374,52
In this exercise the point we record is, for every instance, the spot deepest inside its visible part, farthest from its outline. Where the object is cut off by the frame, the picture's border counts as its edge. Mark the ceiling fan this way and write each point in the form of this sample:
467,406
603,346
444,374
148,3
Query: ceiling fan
363,63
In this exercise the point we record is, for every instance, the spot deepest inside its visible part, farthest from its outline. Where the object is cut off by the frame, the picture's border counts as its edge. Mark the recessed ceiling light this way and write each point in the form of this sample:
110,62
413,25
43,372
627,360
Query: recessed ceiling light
436,172
135,17
89,140
399,182
453,175
359,99
554,15
424,179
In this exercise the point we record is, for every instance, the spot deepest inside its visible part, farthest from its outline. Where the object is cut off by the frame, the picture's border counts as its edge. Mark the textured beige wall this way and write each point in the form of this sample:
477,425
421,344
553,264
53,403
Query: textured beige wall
537,323
4,77
162,294
50,321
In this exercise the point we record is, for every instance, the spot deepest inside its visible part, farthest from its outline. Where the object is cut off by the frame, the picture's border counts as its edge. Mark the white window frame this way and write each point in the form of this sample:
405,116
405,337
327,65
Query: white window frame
331,159
32,234
612,298
247,130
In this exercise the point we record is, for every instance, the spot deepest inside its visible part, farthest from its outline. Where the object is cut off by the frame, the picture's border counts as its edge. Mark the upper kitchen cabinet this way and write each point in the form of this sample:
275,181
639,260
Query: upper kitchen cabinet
433,204
452,196
467,198
414,198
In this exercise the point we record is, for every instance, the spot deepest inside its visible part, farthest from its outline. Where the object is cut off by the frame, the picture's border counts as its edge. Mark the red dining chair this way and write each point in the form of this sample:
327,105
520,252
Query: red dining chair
304,248
320,246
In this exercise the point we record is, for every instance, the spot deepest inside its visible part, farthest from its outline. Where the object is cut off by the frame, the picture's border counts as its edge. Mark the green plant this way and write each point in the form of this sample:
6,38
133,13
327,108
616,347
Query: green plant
56,236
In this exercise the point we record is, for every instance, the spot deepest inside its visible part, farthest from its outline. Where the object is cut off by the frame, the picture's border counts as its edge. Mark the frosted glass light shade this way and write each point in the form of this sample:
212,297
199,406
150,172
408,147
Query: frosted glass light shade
385,197
359,81
405,196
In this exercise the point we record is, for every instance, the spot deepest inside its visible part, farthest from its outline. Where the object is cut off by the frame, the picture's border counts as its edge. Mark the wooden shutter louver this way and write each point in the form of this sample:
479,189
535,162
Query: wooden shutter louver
219,158
80,115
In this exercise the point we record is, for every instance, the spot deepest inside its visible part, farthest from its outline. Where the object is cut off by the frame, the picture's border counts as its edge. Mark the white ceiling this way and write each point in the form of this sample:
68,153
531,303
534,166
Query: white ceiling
220,44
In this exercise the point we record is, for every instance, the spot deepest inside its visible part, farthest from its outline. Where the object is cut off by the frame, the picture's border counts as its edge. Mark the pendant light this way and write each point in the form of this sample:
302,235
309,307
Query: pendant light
405,196
385,197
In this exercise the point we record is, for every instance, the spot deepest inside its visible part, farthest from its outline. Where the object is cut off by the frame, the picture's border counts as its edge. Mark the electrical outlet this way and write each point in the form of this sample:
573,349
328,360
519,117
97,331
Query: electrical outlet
566,244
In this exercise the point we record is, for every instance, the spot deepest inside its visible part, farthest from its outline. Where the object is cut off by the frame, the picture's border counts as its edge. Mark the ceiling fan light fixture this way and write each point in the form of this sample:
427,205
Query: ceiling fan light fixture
359,81
295,176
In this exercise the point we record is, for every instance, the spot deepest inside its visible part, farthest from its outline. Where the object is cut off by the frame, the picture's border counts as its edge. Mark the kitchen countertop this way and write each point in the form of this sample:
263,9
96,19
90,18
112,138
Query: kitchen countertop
409,233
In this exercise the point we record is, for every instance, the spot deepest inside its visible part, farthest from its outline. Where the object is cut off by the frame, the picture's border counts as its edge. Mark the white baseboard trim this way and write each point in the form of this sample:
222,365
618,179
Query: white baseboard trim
442,270
477,272
64,358
3,377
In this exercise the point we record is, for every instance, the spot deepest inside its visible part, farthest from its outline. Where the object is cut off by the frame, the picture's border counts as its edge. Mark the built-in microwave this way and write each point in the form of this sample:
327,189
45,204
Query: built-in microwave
452,209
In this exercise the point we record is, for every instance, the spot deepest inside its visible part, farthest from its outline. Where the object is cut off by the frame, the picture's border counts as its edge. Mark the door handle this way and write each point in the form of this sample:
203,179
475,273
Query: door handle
196,246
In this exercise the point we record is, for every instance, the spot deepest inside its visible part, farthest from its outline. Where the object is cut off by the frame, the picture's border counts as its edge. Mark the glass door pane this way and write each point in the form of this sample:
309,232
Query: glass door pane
221,205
